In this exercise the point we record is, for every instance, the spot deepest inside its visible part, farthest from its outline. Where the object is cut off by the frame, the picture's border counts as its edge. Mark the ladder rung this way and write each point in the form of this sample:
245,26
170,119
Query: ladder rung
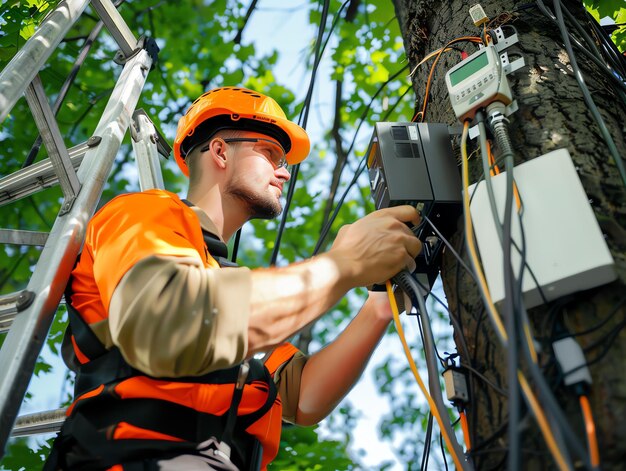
40,422
36,177
19,237
8,309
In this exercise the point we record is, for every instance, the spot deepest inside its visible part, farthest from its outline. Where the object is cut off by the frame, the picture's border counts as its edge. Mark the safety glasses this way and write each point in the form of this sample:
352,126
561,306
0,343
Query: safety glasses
269,149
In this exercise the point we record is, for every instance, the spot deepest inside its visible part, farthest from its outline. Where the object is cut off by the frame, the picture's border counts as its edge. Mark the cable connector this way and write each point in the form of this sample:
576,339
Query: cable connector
571,359
479,17
456,383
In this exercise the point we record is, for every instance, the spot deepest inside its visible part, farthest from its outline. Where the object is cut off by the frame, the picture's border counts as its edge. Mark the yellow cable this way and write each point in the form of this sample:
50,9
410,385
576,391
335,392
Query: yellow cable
469,235
542,422
407,351
493,313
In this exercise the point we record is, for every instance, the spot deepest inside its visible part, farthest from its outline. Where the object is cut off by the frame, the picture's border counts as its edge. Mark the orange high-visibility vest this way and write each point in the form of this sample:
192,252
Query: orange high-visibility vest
122,415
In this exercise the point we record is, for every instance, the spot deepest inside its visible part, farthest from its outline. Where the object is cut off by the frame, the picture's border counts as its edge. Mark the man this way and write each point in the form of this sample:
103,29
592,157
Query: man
163,332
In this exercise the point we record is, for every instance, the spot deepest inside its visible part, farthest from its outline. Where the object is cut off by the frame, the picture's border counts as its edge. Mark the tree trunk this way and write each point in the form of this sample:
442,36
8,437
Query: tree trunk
552,114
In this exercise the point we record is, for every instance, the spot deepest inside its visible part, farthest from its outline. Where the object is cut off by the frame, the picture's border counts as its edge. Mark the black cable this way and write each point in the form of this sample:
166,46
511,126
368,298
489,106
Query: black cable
463,343
302,121
443,451
551,404
236,245
607,341
447,244
326,229
616,58
333,24
409,285
421,332
587,95
514,436
427,440
452,319
603,321
598,61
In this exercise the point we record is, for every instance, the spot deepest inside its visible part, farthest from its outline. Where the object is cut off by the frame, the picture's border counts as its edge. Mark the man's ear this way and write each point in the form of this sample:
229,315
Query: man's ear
217,147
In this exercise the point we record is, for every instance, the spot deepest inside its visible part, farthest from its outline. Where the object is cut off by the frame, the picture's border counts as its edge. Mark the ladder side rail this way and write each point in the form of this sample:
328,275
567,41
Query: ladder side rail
25,339
29,60
36,177
52,139
144,140
116,26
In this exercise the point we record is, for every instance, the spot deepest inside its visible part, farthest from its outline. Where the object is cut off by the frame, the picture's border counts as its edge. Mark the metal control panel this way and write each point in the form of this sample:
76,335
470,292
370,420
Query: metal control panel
413,163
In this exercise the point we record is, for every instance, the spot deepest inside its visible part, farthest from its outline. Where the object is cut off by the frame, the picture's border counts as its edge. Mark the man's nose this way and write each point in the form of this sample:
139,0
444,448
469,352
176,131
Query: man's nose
283,173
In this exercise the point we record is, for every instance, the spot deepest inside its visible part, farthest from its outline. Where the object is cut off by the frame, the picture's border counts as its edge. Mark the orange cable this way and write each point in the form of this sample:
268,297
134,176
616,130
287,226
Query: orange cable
590,429
542,421
465,428
438,53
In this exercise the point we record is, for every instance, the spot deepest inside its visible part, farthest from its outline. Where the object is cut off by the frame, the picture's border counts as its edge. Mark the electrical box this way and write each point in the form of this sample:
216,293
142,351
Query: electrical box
565,248
413,163
476,82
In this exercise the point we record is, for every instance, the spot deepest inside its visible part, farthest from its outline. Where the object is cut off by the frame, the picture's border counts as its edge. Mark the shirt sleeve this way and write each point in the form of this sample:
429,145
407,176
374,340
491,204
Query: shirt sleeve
288,378
172,317
168,313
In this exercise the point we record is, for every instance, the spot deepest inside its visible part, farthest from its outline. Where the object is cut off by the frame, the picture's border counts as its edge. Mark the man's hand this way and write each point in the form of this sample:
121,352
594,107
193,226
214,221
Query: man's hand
378,246
373,249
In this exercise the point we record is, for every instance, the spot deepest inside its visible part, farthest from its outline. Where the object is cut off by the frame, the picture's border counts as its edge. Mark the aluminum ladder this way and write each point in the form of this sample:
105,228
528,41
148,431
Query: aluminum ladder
81,171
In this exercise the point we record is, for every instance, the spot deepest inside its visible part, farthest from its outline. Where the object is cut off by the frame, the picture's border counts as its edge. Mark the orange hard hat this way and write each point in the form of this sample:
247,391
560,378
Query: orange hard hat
237,108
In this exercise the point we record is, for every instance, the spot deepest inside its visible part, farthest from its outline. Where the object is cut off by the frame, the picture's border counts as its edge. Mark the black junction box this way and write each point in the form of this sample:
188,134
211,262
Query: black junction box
413,163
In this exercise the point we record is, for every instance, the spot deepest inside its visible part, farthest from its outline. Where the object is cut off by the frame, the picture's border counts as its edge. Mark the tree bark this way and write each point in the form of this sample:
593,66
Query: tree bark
552,114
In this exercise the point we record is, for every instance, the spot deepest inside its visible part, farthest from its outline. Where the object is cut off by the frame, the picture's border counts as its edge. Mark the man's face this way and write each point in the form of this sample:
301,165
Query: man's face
257,177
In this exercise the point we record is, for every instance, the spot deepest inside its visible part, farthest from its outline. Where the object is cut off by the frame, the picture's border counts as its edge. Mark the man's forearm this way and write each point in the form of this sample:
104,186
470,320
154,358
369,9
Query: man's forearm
371,250
330,373
284,300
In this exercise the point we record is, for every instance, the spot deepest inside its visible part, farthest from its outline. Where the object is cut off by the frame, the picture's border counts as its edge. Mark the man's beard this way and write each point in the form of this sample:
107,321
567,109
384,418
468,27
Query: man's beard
258,206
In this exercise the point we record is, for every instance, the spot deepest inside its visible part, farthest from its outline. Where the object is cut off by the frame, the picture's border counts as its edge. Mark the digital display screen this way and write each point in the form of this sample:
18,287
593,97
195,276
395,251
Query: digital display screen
469,69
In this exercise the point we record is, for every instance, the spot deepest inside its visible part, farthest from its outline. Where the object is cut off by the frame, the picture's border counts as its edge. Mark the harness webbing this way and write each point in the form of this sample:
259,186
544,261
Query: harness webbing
89,425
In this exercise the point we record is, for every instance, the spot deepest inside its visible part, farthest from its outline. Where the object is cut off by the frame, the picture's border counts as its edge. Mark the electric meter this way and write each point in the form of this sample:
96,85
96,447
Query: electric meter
476,82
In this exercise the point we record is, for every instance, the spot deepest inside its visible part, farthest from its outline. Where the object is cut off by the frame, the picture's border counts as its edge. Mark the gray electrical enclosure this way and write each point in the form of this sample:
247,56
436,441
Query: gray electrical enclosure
413,163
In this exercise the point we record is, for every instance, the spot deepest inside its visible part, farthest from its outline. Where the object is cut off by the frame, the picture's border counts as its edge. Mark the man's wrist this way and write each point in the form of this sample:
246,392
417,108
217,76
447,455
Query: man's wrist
341,267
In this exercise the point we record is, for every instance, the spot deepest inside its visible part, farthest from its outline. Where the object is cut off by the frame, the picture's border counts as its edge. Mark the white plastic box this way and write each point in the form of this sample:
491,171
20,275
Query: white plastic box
565,248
